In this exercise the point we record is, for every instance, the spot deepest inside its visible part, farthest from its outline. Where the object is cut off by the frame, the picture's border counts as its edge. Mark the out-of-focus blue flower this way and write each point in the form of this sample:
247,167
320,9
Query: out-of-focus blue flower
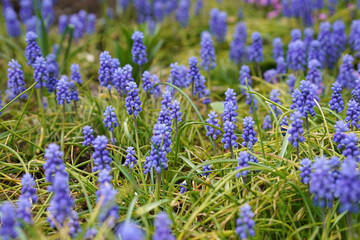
291,82
198,6
270,75
109,210
352,114
16,83
296,130
249,135
218,25
296,56
245,223
162,228
75,73
255,51
237,45
348,186
305,170
10,226
326,44
128,230
349,143
340,129
338,37
91,23
274,96
267,123
178,74
132,101
322,182
48,13
295,35
73,93
138,50
182,12
26,9
245,76
346,76
26,199
278,46
12,23
32,50
62,91
54,164
336,103
281,65
308,37
101,156
207,52
88,136
314,74
354,36
79,26
110,119
63,21
316,52
251,102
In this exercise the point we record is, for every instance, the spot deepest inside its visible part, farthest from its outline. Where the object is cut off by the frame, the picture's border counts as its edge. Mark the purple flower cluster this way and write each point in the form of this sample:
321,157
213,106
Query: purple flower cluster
207,52
12,22
349,143
217,24
237,45
162,228
245,223
193,76
249,135
62,91
106,70
177,75
175,111
336,103
314,74
303,99
10,227
206,170
110,119
40,75
243,161
121,78
305,170
296,56
138,50
291,82
245,77
51,73
267,122
75,73
281,65
340,129
106,197
296,131
130,159
26,199
278,50
255,51
295,35
130,231
132,101
213,121
346,76
274,96
352,114
54,164
182,12
354,36
88,136
270,75
308,37
316,52
326,43
101,156
16,83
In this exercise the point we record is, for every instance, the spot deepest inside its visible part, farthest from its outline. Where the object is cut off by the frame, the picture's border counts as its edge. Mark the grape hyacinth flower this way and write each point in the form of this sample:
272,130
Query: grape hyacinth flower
182,13
245,77
12,22
355,93
350,148
54,164
73,93
52,72
128,230
336,103
314,74
147,84
270,76
130,159
26,10
10,227
230,106
281,65
106,197
243,161
255,51
161,141
316,52
16,83
175,113
252,102
278,50
101,156
229,138
63,22
218,25
183,187
213,121
61,204
207,52
91,23
340,129
308,37
121,77
352,114
26,199
177,75
295,35
245,223
354,36
206,170
249,135
193,75
88,136
132,101
40,72
324,37
106,70
303,99
322,182
346,76
198,6
274,96
138,50
338,37
62,91
75,73
32,50
296,130
291,82
296,56
237,45
348,186
110,119
162,228
305,170
267,123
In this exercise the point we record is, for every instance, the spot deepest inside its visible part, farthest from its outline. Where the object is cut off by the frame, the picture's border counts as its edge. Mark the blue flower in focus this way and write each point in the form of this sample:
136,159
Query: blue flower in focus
110,119
16,83
138,50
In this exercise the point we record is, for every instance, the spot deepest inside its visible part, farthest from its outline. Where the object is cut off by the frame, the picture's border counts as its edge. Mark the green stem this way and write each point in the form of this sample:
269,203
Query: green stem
157,188
63,128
